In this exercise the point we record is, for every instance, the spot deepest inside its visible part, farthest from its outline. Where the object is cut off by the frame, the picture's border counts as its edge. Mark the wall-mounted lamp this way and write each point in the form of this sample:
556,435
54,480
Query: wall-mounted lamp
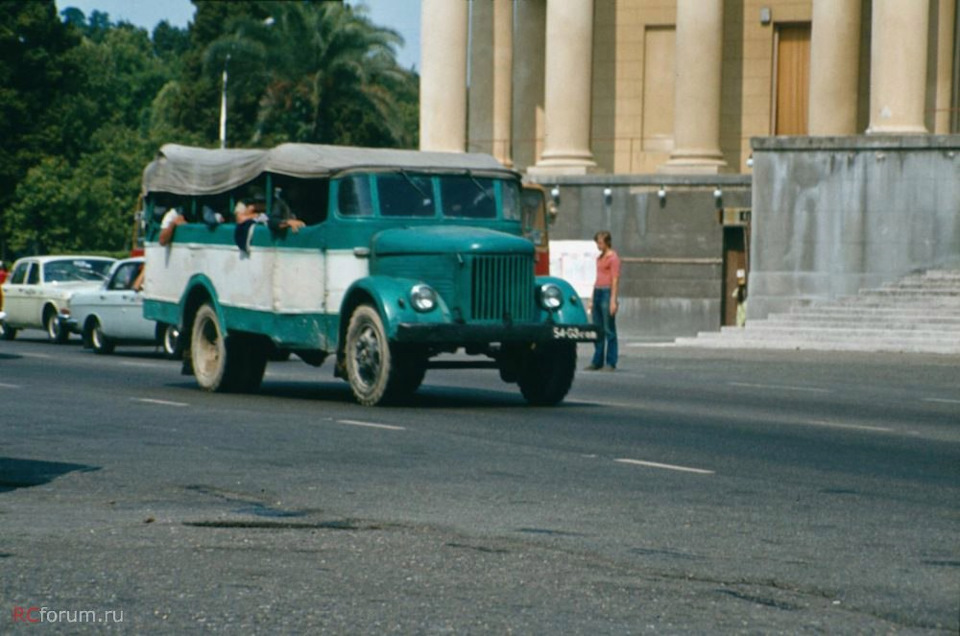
607,196
718,196
662,194
750,161
765,16
555,195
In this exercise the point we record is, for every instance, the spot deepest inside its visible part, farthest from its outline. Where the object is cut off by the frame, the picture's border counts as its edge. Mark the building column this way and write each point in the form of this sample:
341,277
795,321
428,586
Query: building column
568,89
898,66
696,137
947,32
502,80
443,75
834,67
528,75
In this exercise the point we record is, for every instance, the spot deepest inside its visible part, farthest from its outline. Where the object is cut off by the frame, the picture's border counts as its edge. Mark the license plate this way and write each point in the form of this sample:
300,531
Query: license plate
574,333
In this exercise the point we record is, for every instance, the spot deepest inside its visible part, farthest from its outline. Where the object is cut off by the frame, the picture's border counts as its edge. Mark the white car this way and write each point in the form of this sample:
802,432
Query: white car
113,314
37,293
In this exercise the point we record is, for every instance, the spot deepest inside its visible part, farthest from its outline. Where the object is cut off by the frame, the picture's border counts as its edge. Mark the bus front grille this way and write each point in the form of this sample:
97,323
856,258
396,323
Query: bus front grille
501,288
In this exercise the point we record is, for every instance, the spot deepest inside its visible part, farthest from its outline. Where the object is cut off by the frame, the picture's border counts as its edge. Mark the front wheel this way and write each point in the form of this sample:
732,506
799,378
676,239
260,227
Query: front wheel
221,362
100,343
170,340
546,372
56,332
369,364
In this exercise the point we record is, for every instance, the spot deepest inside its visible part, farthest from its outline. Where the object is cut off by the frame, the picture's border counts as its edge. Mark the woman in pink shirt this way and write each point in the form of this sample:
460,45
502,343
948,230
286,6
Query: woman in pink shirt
605,294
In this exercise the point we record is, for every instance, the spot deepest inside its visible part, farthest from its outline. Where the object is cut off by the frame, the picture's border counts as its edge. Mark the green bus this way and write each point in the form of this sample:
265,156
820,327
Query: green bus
397,258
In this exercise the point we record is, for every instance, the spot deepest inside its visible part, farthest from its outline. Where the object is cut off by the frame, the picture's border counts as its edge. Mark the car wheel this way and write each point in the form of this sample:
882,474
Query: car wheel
7,332
546,372
369,363
170,341
100,343
221,362
55,330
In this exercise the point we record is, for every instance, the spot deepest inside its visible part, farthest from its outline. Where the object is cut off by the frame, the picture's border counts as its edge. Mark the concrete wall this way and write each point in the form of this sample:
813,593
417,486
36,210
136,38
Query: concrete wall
834,215
671,283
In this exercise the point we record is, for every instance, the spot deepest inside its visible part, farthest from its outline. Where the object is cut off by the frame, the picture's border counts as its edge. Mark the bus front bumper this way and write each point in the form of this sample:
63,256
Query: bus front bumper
461,334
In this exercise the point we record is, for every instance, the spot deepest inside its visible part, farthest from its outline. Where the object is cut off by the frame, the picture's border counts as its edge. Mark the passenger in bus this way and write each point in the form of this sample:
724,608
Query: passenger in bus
250,213
168,225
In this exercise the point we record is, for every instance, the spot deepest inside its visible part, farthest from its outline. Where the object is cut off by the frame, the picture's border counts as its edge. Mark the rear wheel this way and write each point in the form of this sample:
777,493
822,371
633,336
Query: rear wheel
56,332
546,372
222,362
98,341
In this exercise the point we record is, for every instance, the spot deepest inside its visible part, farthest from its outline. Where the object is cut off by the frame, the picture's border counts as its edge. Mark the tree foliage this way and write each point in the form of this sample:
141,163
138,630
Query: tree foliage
85,103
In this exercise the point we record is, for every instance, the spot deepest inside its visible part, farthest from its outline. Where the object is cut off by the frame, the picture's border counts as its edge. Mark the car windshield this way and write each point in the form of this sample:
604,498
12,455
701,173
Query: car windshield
74,270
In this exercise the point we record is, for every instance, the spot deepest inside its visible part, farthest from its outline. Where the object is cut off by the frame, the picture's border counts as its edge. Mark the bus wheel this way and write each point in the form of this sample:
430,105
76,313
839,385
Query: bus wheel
368,360
223,363
99,342
411,364
6,331
546,372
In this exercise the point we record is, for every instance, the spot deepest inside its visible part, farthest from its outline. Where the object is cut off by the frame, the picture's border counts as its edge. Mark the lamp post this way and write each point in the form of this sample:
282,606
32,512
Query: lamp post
268,21
223,105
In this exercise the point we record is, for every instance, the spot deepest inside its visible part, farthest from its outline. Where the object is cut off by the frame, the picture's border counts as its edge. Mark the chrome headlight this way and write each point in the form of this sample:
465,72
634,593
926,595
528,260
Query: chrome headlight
550,297
423,298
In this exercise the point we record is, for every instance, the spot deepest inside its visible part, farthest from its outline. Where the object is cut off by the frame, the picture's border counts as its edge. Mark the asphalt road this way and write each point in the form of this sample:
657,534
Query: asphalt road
690,491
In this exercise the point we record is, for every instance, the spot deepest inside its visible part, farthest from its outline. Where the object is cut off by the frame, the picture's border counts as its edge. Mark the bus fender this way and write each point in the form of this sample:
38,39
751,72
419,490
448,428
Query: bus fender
573,311
391,297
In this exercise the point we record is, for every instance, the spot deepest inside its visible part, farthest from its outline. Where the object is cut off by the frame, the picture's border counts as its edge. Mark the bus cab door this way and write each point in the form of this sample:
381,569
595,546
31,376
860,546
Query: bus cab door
533,205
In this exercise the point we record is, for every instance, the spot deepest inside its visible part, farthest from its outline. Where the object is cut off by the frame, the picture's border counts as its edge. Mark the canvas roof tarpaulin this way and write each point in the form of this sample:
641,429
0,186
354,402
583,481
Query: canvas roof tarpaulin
201,171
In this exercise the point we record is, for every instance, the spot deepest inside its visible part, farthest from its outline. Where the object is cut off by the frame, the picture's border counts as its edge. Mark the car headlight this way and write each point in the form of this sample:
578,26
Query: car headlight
423,298
551,297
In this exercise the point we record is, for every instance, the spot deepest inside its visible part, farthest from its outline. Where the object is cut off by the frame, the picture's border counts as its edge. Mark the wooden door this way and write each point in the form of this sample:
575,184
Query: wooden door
792,94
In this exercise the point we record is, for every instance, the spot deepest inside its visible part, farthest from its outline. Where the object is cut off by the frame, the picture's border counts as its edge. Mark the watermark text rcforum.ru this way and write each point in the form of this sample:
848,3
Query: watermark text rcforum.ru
48,615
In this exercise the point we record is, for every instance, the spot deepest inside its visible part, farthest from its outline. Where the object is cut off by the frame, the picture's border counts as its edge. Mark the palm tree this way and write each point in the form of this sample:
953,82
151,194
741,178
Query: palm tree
321,73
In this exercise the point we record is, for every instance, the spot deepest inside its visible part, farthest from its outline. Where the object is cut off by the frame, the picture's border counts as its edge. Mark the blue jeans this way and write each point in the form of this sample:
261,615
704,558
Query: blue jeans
602,318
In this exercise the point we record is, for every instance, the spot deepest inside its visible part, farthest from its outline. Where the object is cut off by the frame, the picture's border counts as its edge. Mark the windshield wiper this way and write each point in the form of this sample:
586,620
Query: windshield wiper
479,185
414,185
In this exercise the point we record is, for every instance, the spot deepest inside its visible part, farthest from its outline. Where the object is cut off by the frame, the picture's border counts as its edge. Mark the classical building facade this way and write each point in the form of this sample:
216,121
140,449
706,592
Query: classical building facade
681,86
655,119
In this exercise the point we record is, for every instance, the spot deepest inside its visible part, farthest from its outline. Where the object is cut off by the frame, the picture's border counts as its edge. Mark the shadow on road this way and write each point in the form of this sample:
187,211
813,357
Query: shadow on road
24,473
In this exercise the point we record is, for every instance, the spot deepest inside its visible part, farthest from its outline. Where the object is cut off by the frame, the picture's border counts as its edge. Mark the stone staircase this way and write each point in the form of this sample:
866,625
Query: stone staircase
916,314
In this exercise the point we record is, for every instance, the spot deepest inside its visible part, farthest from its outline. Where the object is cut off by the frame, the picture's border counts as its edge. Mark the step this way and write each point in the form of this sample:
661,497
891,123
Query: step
873,346
918,313
759,330
880,320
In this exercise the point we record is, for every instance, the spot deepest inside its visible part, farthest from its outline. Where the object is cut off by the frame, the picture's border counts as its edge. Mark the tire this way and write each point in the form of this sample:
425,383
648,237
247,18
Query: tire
224,363
411,363
546,372
100,343
7,332
170,341
56,333
369,361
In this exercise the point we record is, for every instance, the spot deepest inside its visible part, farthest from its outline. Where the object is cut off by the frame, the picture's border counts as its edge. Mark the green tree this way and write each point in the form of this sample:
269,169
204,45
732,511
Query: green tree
320,72
79,190
35,74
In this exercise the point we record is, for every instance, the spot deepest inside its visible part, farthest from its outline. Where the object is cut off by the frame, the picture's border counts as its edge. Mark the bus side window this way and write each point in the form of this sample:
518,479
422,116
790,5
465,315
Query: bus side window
353,196
307,199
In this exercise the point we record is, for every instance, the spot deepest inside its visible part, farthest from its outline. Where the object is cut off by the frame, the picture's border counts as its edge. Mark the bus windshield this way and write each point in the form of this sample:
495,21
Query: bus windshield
406,194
